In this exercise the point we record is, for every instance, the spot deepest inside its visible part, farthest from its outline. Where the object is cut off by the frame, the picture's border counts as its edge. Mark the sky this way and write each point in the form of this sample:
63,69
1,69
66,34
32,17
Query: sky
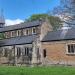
16,11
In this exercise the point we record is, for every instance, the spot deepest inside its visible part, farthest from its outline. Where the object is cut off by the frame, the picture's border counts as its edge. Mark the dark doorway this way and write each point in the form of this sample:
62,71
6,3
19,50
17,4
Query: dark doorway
44,53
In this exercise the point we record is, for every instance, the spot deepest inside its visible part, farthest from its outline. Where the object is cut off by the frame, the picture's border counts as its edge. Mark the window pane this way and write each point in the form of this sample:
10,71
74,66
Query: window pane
72,49
68,48
33,30
18,52
27,51
27,32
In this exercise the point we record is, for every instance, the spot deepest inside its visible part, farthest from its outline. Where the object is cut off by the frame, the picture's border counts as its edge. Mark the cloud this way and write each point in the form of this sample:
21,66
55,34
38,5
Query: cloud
13,22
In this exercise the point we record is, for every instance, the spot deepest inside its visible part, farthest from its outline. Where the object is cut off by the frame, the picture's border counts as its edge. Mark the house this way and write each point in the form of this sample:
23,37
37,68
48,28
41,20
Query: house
59,47
35,42
22,42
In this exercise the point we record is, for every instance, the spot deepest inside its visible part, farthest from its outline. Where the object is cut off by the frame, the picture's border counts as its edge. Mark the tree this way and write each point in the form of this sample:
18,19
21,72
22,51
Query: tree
54,21
2,36
67,9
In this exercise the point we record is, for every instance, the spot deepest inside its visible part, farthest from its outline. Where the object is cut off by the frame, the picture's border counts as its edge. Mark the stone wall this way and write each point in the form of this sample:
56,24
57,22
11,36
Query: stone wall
56,53
10,57
22,32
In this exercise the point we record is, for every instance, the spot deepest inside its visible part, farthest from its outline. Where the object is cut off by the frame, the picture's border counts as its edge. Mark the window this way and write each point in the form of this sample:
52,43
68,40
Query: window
6,52
19,32
13,33
30,50
7,34
71,48
44,53
27,32
34,30
26,51
18,51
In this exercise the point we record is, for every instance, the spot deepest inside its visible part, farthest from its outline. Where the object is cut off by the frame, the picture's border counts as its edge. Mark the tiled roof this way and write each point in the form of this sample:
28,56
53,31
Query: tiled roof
65,34
18,40
21,26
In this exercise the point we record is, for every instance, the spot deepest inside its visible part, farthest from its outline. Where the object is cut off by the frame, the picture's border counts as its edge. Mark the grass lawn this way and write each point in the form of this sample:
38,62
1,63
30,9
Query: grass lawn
54,70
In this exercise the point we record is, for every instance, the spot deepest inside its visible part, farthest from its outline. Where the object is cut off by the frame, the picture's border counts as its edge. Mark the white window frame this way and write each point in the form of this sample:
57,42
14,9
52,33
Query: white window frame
19,32
26,31
67,48
35,30
12,33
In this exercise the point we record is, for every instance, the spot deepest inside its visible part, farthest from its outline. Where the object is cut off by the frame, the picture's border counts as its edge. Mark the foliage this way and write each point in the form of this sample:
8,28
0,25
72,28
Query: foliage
54,21
13,70
37,17
2,36
67,10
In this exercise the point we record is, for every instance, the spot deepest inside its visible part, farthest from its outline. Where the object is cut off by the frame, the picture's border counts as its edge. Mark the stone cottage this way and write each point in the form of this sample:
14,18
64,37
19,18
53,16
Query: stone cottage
59,47
22,42
35,42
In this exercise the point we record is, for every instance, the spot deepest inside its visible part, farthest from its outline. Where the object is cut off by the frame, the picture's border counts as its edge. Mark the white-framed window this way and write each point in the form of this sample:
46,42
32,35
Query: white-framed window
34,30
19,32
71,49
13,33
27,31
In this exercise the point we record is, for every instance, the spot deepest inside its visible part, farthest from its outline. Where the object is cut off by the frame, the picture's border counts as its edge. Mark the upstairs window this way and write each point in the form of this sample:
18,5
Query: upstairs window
27,32
34,30
13,33
19,32
7,34
71,48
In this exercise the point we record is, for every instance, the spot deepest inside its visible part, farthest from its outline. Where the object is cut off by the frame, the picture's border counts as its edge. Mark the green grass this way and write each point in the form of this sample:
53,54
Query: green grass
55,70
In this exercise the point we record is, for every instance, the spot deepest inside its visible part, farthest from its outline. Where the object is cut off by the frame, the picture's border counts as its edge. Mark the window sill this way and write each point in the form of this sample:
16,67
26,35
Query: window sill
70,53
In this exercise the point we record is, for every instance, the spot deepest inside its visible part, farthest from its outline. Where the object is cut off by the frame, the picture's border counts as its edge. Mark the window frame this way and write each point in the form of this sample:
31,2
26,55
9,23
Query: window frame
26,51
13,35
27,31
18,51
33,30
69,51
19,32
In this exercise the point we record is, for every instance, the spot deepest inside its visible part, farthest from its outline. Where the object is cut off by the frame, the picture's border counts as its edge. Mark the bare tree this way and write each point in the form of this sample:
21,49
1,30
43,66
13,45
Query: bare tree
67,11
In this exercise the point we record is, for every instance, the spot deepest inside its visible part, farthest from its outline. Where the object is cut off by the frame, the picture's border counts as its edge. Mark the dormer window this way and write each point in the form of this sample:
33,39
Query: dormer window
13,33
34,30
19,32
27,32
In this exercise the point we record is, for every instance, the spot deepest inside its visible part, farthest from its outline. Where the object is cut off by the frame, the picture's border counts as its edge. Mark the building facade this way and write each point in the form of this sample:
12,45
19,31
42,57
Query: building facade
35,42
22,42
59,47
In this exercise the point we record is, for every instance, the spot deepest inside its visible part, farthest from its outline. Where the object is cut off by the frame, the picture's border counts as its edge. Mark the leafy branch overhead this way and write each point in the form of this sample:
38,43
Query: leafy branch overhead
54,21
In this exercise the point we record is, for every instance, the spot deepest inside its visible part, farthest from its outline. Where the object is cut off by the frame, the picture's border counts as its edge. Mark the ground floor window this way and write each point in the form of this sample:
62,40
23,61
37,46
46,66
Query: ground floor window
26,51
71,48
6,52
18,51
